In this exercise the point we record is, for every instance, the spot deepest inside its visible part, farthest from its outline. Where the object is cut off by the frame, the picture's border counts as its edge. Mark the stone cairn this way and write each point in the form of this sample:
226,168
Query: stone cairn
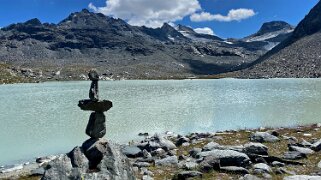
96,127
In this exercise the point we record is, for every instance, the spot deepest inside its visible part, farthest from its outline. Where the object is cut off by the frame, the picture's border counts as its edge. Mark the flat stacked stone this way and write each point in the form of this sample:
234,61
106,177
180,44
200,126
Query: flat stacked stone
96,127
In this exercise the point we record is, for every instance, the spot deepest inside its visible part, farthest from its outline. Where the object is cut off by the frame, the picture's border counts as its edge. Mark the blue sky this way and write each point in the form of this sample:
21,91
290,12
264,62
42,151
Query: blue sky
248,18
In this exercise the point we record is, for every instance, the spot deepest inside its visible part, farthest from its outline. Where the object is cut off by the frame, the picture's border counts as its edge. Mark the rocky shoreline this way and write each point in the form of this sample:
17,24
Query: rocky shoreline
279,153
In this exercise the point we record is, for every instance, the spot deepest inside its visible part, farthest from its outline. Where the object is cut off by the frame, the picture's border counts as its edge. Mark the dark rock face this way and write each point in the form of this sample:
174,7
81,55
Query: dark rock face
95,150
96,127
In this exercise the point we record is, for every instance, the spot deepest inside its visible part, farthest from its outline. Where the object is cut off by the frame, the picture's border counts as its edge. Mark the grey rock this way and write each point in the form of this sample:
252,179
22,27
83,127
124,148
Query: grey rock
168,161
190,165
93,75
96,127
182,140
302,177
316,146
165,143
193,152
227,157
263,137
255,148
146,154
95,150
93,91
60,168
158,152
294,155
98,106
305,143
277,164
209,163
250,177
188,174
262,168
78,159
302,150
141,164
319,165
132,151
234,170
210,146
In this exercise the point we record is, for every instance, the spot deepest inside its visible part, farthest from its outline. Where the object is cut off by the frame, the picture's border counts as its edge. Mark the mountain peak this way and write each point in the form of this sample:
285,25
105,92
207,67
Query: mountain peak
34,21
185,29
274,26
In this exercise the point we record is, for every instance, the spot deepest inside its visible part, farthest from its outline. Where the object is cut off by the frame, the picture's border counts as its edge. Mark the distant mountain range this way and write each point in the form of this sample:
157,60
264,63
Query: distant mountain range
86,40
298,56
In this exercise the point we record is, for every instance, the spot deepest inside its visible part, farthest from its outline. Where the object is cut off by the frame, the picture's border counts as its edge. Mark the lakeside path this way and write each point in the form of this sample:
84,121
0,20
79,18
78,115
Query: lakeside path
279,153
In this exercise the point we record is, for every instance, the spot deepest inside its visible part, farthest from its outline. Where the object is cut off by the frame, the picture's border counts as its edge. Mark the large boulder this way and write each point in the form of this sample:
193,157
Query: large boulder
164,143
113,165
227,157
263,137
95,149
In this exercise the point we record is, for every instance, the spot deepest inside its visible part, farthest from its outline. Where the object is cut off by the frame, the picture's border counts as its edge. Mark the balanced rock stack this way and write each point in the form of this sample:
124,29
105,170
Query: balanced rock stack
97,158
96,127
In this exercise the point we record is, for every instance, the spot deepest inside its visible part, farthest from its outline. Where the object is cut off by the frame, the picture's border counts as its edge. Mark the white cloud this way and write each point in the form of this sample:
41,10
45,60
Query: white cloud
205,30
149,13
233,15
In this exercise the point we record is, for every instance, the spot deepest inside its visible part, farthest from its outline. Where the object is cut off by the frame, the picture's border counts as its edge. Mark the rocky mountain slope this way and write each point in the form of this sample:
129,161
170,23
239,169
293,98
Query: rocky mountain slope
298,56
86,40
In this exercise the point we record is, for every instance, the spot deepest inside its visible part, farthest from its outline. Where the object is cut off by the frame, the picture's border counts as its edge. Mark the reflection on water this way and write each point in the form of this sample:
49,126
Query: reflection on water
42,119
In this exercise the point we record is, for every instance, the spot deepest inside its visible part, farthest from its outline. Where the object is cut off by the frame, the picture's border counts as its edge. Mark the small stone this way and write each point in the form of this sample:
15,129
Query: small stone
262,168
182,140
93,75
193,152
307,135
250,177
294,155
319,165
316,146
277,164
141,164
146,154
190,165
234,170
263,137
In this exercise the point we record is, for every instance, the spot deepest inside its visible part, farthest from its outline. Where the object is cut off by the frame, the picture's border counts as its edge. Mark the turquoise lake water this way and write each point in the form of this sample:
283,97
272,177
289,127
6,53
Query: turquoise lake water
43,119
